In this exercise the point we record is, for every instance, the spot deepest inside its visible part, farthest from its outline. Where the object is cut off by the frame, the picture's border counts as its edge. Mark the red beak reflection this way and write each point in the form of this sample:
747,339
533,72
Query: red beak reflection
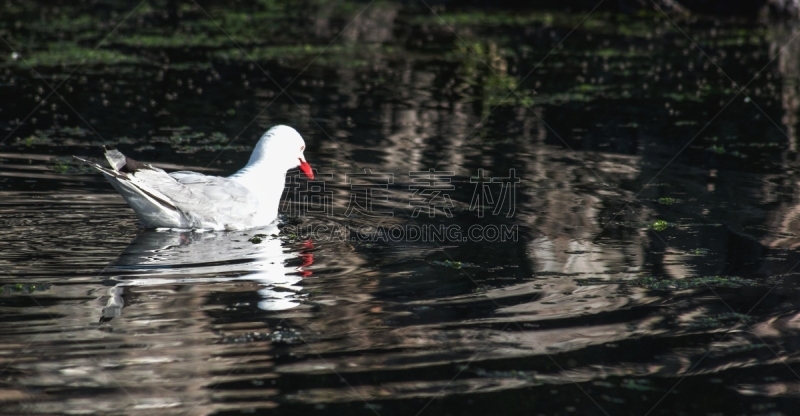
307,255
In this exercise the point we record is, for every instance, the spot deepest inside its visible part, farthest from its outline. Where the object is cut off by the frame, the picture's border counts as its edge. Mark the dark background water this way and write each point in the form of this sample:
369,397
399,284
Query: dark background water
654,268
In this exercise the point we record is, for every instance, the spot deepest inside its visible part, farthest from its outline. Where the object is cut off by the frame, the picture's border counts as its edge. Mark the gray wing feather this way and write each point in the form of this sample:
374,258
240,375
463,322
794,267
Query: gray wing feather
223,199
205,201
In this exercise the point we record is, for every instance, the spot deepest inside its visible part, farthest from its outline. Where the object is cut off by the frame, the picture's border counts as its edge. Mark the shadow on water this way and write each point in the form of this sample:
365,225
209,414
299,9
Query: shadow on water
633,281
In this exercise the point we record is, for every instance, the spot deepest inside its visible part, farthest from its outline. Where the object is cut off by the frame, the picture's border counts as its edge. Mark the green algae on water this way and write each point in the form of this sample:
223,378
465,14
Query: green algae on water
666,201
653,283
27,288
659,225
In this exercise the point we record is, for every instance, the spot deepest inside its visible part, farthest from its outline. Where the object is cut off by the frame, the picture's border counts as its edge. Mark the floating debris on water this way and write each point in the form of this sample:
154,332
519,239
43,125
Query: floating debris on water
454,264
24,288
257,239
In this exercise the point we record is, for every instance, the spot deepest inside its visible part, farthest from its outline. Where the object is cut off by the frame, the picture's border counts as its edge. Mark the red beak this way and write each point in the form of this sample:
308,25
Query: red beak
306,168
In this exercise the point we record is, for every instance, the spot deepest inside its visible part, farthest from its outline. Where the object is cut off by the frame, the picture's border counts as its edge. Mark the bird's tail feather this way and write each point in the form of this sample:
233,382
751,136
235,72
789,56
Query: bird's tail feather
115,158
151,206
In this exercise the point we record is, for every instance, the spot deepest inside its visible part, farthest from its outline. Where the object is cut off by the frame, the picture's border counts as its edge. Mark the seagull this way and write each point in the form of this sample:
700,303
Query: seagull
187,200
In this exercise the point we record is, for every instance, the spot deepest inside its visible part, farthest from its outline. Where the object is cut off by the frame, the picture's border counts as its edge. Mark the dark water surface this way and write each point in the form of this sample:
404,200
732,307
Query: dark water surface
652,268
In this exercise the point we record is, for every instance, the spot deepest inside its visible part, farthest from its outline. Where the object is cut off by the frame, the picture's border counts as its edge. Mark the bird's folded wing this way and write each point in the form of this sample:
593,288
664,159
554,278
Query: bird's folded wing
221,198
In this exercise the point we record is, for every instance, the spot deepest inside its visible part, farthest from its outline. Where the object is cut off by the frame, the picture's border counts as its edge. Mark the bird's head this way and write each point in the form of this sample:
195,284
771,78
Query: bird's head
282,146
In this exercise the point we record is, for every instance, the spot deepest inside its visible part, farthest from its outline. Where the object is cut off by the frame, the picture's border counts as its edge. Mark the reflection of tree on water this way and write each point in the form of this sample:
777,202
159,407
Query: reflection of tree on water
781,190
588,301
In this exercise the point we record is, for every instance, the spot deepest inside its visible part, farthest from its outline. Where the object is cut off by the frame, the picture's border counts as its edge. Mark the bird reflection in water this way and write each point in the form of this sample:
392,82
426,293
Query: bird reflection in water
157,258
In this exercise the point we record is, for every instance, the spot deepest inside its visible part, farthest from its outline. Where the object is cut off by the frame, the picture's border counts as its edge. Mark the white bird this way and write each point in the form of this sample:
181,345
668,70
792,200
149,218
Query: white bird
189,200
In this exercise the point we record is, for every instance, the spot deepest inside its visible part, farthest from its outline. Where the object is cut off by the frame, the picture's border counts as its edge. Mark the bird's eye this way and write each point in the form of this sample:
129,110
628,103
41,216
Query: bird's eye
302,148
